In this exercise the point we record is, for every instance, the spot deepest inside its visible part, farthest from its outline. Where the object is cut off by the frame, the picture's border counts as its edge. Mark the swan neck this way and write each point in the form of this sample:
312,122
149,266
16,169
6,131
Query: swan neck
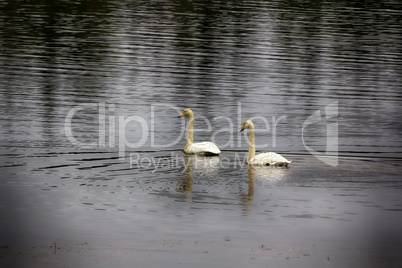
190,134
251,148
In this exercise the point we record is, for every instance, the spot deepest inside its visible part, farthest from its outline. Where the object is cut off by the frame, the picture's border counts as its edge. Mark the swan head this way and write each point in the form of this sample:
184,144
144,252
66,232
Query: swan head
187,113
247,124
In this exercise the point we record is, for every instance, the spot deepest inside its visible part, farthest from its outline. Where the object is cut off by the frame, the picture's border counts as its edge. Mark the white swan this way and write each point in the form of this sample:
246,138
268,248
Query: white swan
206,148
265,159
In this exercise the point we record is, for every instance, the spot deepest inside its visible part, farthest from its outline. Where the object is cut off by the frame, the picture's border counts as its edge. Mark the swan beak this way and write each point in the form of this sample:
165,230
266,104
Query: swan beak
242,128
181,115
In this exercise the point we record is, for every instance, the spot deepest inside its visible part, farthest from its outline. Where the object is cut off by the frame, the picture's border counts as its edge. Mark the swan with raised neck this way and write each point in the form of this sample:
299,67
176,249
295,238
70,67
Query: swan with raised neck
206,148
265,159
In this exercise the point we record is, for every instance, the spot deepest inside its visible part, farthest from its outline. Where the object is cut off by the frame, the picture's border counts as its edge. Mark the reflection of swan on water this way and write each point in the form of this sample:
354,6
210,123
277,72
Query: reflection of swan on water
202,163
264,175
269,175
206,148
187,184
263,159
197,165
248,199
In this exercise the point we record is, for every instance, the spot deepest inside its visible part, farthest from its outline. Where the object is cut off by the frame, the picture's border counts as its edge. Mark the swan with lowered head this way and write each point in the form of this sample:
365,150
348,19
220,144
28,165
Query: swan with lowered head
263,159
206,148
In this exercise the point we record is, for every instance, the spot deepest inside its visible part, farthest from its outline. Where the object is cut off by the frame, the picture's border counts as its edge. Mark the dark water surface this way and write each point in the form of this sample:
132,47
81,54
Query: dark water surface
121,176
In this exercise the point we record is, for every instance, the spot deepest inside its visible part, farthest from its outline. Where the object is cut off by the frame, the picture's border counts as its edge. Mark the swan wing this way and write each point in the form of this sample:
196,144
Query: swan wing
269,159
203,148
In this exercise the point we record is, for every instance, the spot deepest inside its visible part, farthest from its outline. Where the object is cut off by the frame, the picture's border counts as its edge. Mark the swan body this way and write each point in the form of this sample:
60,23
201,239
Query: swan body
202,148
269,159
206,148
263,159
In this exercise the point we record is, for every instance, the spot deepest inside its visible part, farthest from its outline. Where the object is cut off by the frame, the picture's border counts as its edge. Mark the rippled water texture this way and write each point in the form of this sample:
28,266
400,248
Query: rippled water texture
321,81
